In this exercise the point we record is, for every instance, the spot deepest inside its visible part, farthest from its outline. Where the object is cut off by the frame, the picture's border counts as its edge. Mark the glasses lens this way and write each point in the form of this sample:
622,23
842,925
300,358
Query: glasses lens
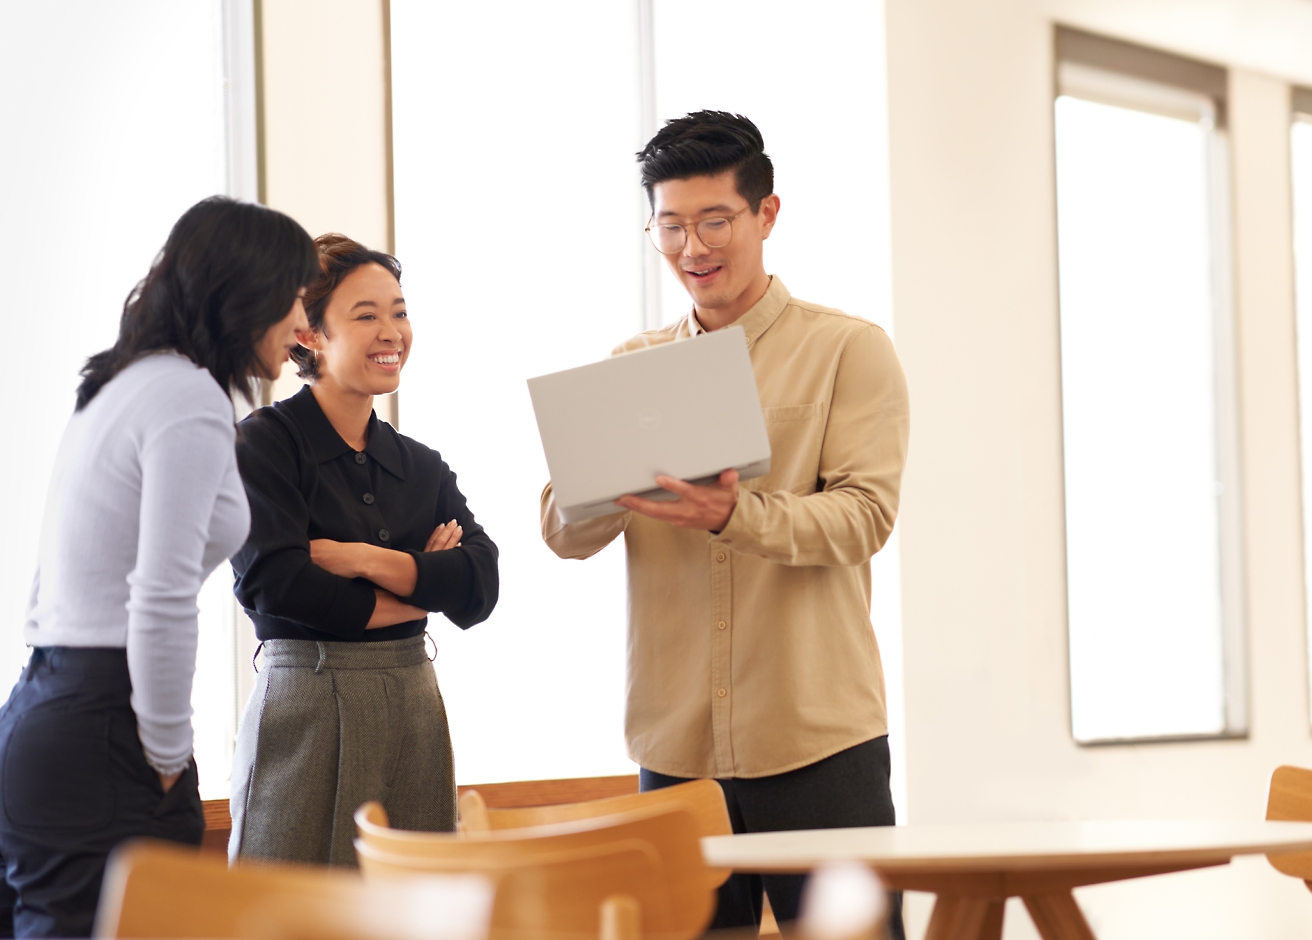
714,233
668,239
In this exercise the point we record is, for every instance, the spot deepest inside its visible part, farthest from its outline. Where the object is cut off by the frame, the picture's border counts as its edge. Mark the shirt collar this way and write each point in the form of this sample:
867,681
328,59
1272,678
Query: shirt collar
328,445
759,318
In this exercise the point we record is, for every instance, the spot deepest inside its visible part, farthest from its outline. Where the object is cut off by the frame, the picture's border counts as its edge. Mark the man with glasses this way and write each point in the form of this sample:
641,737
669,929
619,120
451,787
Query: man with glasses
751,655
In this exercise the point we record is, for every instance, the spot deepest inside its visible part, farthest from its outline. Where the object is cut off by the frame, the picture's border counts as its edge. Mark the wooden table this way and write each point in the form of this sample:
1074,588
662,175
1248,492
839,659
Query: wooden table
974,868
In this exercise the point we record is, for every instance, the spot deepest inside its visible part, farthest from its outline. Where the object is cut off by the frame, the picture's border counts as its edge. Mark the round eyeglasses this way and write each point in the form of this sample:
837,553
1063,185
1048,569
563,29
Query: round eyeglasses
671,237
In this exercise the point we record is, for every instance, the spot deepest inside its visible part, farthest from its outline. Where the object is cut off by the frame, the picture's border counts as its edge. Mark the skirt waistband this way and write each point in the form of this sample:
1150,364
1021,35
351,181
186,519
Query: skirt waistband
319,655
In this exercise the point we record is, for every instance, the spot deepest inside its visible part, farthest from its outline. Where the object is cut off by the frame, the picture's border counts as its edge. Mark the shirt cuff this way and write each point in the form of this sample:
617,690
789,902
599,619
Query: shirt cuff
743,524
347,608
443,581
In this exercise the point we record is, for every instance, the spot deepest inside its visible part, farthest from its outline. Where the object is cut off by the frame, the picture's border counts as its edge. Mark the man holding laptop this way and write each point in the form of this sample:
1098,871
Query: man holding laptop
751,655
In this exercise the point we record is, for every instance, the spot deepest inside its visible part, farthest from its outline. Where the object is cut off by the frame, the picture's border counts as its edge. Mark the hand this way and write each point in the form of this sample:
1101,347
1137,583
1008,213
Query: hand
167,780
445,536
698,507
344,559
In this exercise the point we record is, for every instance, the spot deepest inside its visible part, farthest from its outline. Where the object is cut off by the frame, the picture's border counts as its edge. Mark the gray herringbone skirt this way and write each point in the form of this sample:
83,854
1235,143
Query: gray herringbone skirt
328,727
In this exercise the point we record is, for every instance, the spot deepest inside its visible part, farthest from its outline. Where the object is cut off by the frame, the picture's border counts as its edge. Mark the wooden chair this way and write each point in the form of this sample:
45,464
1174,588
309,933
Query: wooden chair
158,890
1290,799
703,798
559,878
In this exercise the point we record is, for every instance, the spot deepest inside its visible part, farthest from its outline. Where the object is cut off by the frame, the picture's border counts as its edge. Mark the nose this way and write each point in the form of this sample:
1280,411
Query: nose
694,247
387,331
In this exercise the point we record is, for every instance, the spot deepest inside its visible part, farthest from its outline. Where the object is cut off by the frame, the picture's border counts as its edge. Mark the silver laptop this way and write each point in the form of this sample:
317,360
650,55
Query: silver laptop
687,409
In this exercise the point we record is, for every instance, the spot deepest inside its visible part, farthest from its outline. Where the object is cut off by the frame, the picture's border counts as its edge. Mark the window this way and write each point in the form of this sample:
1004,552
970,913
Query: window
1152,542
519,222
1300,141
113,151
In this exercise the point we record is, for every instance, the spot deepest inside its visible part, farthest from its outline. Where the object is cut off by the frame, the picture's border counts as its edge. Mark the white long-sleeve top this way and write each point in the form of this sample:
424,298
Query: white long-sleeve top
144,502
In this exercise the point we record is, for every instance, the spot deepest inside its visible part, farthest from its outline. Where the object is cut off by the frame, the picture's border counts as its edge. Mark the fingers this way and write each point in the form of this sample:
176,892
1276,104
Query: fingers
445,536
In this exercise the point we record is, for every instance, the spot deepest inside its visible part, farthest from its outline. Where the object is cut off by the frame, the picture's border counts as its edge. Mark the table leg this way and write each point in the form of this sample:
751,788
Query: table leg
958,917
1057,916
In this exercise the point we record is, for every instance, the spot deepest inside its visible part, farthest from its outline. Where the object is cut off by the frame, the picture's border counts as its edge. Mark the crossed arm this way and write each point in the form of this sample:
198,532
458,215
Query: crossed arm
393,573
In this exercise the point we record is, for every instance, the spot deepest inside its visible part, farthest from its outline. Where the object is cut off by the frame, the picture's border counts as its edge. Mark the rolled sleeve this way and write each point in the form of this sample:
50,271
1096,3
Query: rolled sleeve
275,574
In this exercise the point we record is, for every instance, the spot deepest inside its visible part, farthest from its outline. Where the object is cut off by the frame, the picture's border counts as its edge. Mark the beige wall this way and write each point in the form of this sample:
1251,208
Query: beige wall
984,619
324,78
325,153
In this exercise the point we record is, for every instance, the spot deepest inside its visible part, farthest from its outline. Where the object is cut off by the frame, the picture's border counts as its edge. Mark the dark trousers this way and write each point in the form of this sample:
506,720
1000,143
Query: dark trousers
849,789
74,783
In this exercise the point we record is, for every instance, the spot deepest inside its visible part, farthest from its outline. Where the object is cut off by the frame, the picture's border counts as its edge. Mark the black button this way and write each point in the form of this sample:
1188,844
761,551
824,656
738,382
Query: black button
368,499
359,458
384,534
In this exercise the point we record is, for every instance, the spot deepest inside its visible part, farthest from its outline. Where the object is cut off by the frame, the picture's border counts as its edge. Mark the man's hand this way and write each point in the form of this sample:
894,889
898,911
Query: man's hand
698,507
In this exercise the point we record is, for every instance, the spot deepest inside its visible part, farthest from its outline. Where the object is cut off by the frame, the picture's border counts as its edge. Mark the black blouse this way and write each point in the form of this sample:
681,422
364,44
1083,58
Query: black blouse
304,482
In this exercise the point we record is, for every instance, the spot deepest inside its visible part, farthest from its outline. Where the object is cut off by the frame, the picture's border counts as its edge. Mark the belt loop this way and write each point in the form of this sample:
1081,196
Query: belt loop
323,657
255,656
429,637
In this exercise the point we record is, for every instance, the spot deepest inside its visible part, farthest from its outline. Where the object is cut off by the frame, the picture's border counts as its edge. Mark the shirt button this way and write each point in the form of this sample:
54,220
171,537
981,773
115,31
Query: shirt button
384,534
721,624
368,499
720,557
359,458
722,693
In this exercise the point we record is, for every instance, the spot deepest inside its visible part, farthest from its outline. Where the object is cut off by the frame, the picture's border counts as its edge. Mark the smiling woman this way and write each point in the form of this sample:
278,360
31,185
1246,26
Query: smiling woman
357,534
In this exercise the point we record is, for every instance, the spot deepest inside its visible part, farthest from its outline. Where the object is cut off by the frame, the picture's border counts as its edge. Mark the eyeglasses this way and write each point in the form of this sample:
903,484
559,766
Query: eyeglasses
670,237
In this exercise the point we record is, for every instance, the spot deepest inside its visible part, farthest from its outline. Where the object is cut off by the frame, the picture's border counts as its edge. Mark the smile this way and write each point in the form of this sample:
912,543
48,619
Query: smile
386,359
703,272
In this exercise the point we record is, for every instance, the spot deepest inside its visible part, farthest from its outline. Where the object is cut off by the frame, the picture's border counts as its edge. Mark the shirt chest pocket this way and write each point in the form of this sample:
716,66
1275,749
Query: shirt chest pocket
796,435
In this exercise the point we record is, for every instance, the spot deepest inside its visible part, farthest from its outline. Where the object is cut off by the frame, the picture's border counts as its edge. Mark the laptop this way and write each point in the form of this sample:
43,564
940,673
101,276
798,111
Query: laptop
687,409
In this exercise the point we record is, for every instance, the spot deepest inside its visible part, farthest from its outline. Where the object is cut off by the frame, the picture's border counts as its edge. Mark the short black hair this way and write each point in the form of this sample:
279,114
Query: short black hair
706,143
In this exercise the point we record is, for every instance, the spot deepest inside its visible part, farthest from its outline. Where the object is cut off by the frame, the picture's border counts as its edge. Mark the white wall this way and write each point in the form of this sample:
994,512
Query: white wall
113,124
984,615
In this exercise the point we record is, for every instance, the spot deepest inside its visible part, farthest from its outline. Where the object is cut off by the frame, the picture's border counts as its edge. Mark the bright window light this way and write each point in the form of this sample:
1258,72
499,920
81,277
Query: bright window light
100,160
1301,153
514,130
1139,397
519,223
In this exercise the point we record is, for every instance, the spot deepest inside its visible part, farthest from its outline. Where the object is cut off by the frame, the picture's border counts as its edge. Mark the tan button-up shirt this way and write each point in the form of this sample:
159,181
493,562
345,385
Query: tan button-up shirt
750,652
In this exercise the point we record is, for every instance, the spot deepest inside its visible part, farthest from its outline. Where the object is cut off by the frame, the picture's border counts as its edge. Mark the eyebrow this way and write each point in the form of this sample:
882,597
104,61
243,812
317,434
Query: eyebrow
369,303
719,208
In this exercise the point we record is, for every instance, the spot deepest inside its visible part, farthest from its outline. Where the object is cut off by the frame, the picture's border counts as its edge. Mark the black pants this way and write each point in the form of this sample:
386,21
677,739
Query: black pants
74,783
849,789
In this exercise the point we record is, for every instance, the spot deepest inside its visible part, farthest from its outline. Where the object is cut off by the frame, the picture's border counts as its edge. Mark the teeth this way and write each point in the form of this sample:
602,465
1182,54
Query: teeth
389,359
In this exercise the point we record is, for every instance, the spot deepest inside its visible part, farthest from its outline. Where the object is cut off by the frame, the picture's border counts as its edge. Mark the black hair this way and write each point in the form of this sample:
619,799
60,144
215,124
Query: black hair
338,257
706,143
228,272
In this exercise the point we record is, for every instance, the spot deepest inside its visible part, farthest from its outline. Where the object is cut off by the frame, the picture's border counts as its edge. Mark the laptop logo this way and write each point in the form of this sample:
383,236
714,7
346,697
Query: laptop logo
649,419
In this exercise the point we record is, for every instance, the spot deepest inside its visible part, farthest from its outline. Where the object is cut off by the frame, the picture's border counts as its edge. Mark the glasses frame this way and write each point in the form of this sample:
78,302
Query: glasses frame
693,225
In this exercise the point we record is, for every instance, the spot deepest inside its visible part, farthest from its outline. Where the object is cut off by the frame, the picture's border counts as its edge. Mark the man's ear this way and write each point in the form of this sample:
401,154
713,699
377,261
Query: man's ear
769,214
308,338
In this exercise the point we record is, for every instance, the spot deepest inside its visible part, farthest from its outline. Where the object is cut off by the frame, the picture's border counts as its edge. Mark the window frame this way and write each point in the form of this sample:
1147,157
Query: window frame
1109,71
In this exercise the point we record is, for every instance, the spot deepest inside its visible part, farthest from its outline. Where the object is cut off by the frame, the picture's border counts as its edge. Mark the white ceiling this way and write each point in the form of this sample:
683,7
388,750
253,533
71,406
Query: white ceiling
1271,36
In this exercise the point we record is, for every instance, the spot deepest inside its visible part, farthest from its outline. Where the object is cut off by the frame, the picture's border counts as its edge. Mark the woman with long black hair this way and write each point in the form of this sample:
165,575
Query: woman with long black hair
144,502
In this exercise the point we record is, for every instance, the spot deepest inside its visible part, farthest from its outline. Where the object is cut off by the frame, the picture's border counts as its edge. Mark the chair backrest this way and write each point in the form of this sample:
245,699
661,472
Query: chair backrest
703,798
564,893
1290,799
653,855
158,890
